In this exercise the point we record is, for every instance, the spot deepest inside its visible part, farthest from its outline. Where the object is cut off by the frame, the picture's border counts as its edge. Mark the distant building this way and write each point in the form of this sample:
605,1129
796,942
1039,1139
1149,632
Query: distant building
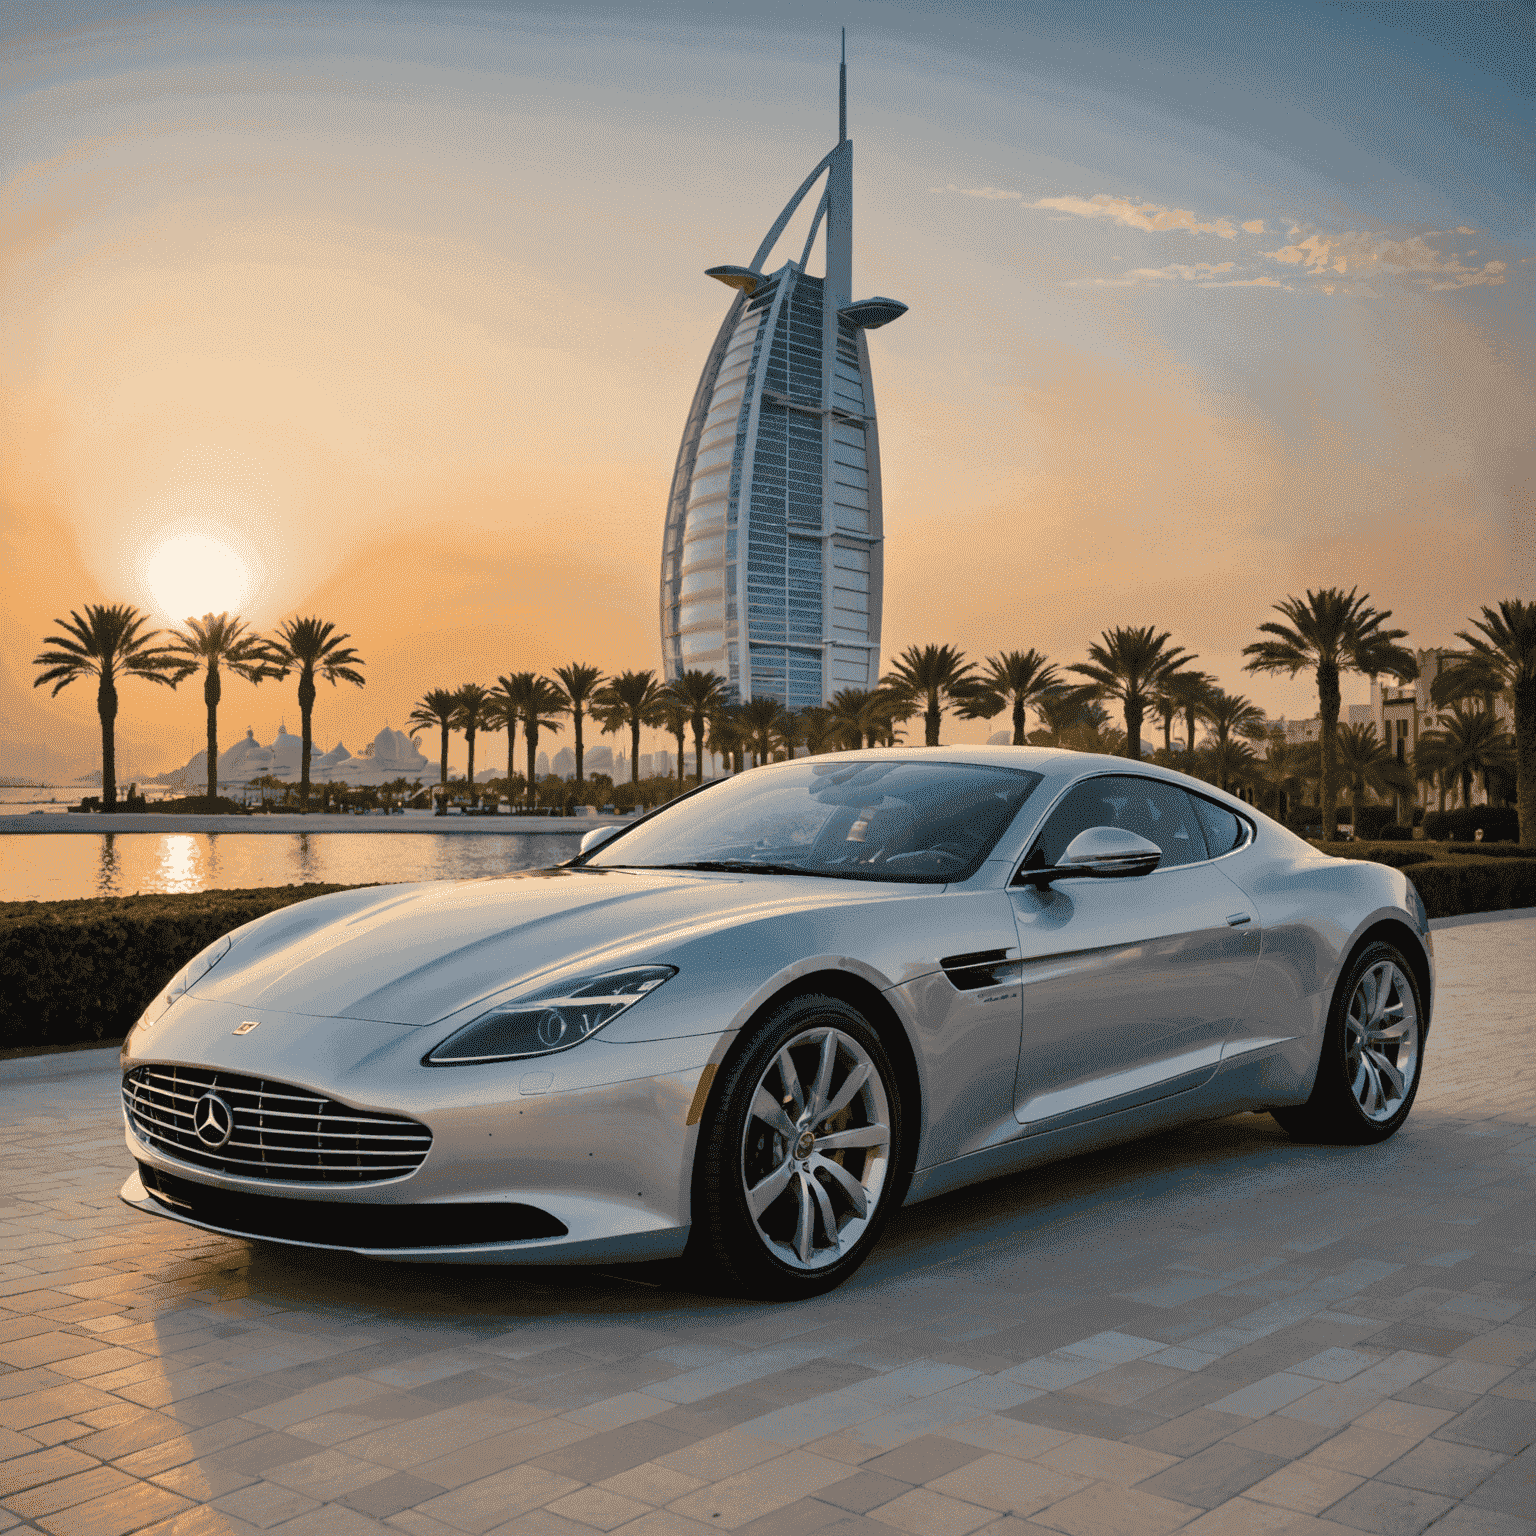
390,755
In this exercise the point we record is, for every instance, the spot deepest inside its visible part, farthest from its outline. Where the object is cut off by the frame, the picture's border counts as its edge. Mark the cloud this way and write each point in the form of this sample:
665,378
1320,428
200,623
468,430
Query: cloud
1203,274
1360,254
993,194
1151,218
1254,227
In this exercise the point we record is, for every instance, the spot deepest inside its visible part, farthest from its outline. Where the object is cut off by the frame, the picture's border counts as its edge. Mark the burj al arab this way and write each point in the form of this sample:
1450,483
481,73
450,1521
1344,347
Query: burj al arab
771,559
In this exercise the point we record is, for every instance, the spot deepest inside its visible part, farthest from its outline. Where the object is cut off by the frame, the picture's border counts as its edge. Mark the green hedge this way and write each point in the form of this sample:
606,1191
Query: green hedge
77,971
1475,885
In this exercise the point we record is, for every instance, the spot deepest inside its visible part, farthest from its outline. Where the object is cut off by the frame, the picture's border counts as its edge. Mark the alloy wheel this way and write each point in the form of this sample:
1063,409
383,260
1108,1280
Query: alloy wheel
1381,1041
816,1148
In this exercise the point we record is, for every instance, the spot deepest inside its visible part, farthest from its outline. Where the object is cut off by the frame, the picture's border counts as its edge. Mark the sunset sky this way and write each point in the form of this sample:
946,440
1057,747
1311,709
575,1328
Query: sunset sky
399,309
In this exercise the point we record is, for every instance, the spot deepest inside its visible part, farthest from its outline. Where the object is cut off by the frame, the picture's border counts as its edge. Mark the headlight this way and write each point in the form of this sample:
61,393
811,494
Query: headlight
553,1019
185,979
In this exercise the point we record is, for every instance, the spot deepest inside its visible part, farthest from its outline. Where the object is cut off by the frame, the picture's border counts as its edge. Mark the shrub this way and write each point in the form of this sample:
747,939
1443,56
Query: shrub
1489,850
201,805
1498,824
1475,885
1372,819
1395,834
73,971
1396,858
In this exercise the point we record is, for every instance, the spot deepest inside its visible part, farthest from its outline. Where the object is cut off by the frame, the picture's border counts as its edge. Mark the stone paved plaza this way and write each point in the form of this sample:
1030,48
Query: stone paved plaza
1209,1331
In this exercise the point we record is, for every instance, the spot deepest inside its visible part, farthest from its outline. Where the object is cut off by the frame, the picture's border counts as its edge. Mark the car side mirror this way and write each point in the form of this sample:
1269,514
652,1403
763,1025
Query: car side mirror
1100,853
597,837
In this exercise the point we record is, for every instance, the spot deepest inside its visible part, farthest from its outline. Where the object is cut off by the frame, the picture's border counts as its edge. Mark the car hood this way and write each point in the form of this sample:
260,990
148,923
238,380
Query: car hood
415,954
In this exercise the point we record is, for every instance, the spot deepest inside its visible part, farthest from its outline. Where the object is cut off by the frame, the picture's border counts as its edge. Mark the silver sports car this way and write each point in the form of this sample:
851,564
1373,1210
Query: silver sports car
751,1025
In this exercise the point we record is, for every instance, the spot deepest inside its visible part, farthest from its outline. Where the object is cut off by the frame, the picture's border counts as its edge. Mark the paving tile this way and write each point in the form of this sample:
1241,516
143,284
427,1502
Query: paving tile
477,1507
1212,1476
1442,1466
389,1495
923,1459
863,1491
925,1512
1109,1461
45,1466
598,1508
1104,1510
1496,1423
1511,1489
1000,1482
652,1483
1306,1487
65,1492
1389,1508
114,1514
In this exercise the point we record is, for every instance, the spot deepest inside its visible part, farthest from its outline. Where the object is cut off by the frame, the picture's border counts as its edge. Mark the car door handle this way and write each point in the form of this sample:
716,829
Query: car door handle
1237,919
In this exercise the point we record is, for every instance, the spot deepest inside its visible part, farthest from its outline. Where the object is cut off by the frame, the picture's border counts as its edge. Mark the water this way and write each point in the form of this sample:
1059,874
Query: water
64,867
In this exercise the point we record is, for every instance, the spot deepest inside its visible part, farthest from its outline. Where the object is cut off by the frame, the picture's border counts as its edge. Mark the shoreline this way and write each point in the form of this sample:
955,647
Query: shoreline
69,824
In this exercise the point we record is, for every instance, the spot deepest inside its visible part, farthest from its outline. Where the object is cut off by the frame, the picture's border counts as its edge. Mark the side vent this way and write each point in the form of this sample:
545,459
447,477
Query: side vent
980,968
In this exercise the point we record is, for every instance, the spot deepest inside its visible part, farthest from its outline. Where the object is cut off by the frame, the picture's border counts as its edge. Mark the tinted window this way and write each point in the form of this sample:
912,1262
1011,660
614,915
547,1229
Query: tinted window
1161,813
854,818
1223,831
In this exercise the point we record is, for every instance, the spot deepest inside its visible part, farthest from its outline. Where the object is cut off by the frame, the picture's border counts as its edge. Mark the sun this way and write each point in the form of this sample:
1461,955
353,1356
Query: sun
192,574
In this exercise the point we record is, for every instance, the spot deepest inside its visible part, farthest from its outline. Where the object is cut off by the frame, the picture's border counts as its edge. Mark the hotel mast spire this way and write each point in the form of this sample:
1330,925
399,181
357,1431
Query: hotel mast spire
842,93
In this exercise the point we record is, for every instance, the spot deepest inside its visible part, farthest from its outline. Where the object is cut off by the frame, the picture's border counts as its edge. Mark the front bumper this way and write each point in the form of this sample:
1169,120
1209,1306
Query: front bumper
598,1145
604,1234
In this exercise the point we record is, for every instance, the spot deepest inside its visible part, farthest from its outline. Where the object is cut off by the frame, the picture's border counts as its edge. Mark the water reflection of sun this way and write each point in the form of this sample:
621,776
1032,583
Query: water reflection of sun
180,864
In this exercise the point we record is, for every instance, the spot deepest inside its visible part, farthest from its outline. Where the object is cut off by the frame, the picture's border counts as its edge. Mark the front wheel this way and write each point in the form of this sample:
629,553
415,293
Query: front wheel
1373,1048
797,1166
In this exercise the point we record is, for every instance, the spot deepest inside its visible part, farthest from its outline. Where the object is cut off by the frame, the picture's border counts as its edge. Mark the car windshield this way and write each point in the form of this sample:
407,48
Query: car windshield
852,819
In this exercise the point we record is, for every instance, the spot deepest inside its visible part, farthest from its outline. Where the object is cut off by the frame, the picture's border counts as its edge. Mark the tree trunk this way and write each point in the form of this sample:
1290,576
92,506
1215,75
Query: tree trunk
698,748
634,749
1189,726
106,709
211,699
931,719
511,760
469,778
1168,733
576,717
682,755
1018,722
306,715
1328,745
1133,714
1525,760
1354,805
531,741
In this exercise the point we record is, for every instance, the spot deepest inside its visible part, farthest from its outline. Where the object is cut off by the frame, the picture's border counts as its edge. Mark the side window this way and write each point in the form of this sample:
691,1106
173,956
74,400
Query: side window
1161,813
1223,831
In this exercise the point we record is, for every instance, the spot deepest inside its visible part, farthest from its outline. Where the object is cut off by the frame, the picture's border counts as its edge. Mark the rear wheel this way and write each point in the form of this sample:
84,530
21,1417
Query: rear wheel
1373,1048
797,1164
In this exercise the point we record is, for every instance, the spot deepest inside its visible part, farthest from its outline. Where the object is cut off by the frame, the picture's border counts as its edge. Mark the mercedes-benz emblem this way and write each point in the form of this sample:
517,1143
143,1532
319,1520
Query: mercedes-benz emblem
213,1120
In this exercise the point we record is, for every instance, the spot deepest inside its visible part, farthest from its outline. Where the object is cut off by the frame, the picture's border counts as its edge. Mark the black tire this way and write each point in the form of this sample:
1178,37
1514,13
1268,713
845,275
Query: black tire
1355,1102
733,1250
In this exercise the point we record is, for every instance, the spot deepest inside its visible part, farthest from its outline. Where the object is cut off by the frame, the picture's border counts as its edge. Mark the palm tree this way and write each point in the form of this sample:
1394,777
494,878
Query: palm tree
728,736
1132,665
1019,678
786,734
313,648
1468,743
1230,715
474,709
700,694
758,718
1367,762
107,643
672,717
579,682
1331,631
505,719
1504,642
854,713
630,699
436,707
931,676
1183,693
818,729
218,641
538,705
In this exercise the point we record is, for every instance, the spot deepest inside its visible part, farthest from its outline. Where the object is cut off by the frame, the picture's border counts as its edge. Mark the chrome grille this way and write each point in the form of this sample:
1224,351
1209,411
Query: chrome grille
280,1132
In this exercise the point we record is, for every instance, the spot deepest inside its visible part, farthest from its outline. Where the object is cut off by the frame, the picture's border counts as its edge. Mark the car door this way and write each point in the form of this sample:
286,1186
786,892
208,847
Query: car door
1129,986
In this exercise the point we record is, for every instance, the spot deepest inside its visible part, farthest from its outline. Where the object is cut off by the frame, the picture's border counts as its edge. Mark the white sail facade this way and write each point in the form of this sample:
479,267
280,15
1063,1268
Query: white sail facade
771,557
